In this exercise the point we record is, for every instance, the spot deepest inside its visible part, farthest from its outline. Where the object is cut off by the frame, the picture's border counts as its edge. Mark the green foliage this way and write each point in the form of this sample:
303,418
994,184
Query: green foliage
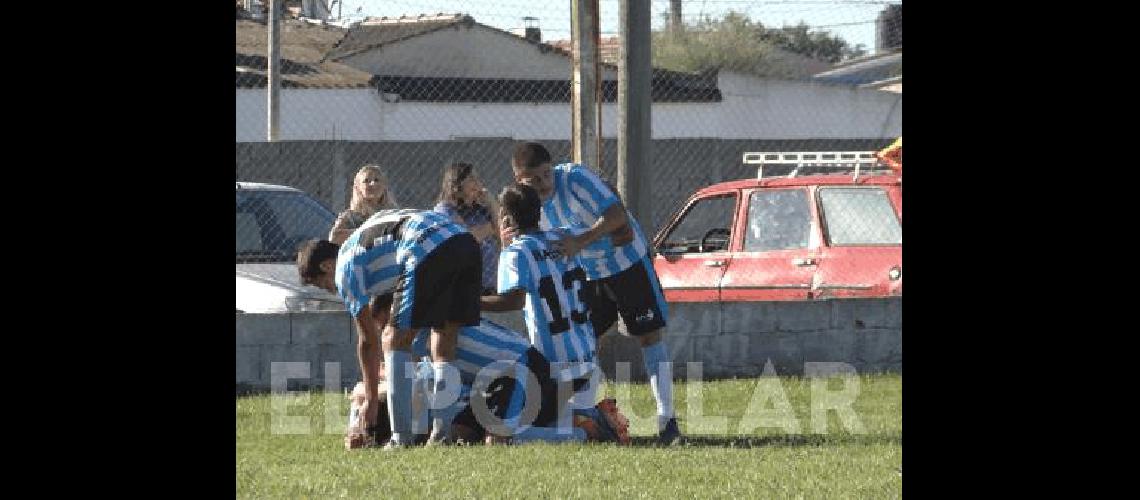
738,43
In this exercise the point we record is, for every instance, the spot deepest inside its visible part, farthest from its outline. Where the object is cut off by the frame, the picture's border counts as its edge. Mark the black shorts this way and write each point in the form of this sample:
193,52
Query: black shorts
500,392
634,295
444,287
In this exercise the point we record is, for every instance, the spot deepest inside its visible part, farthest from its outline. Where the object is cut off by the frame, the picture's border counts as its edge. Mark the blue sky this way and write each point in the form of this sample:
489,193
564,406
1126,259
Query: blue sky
851,20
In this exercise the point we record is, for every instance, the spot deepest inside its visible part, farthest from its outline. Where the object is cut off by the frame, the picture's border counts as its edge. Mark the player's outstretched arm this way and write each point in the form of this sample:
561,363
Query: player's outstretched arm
368,354
611,220
513,300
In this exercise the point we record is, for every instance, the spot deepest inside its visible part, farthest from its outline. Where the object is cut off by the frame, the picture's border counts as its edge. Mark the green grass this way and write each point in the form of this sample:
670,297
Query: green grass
764,463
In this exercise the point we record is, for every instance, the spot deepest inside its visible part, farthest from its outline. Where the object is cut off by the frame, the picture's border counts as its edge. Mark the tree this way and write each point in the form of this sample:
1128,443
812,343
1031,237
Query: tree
819,45
737,43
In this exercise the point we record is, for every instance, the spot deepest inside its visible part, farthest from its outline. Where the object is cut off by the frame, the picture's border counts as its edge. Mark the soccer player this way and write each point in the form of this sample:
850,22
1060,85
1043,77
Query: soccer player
549,287
498,367
407,270
613,252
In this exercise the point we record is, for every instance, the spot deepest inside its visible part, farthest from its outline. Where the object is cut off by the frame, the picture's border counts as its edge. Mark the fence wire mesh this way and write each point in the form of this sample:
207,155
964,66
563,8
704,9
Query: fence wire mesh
416,85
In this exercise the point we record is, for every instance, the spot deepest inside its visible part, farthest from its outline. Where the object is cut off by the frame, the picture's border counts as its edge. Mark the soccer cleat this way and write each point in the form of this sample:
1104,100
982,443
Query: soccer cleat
603,423
392,445
439,440
587,422
613,418
670,435
493,440
356,440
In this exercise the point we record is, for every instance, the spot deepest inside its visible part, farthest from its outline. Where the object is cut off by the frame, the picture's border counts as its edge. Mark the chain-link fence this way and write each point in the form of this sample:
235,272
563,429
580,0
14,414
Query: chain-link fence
413,86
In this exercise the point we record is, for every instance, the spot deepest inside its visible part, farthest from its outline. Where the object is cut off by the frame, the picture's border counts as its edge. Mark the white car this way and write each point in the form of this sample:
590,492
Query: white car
272,221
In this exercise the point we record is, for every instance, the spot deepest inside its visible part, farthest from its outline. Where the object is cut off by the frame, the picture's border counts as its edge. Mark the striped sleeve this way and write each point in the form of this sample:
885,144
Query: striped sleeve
511,270
590,190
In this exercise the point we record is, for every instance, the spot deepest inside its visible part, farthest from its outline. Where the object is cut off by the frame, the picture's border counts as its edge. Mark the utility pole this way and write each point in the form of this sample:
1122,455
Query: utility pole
586,88
634,98
274,69
675,22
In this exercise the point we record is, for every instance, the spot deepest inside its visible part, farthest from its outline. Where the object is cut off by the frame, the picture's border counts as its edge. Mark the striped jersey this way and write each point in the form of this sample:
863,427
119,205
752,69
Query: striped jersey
389,244
478,347
580,198
556,315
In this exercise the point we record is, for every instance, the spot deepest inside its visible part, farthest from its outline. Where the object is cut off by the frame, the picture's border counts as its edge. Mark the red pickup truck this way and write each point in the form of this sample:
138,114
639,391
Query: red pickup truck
832,227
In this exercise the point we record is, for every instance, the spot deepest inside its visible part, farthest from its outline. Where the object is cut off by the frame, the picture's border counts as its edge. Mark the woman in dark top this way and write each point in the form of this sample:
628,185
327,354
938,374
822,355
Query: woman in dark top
463,197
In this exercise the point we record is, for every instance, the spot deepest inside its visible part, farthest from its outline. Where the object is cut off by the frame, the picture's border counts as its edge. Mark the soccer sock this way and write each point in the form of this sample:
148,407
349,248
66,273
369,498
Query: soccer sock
399,395
549,435
447,396
660,370
421,392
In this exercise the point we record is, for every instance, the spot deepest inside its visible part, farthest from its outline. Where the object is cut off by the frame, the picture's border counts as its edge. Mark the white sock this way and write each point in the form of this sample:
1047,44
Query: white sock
660,371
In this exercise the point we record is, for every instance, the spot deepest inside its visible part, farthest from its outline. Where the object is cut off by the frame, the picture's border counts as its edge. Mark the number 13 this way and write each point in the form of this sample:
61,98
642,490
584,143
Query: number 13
573,281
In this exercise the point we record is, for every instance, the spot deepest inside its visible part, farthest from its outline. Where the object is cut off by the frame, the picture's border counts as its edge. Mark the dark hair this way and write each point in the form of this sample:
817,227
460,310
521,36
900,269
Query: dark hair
309,258
522,204
453,177
529,155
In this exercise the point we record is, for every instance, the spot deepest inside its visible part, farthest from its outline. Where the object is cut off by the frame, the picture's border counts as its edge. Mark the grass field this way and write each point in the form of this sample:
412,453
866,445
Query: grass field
775,460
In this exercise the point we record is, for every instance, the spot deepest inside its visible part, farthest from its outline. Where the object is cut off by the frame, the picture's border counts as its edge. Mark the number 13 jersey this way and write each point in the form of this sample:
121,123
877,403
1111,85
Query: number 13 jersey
557,316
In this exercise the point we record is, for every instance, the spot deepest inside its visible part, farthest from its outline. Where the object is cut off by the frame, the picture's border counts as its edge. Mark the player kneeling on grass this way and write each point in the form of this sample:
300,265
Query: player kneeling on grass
550,289
513,398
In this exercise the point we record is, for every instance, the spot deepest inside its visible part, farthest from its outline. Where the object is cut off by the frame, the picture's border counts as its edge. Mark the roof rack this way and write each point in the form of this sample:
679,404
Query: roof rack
825,159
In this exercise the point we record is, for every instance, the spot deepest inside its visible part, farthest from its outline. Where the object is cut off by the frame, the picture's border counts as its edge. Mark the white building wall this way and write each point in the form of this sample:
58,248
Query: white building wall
752,108
312,114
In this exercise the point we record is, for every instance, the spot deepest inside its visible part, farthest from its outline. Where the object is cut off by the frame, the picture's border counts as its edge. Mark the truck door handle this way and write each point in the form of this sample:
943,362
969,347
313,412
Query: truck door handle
714,263
804,262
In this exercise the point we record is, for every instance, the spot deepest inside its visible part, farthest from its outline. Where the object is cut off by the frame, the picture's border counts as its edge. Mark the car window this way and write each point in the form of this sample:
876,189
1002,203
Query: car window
859,216
710,220
271,224
248,233
778,220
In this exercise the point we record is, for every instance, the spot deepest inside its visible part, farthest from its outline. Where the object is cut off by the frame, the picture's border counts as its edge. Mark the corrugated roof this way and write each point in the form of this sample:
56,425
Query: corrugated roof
376,32
864,70
609,48
303,45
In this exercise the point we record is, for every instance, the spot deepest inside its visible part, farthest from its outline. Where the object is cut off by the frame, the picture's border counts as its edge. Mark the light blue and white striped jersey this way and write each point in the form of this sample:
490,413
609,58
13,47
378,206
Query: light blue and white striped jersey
580,198
556,316
478,346
388,244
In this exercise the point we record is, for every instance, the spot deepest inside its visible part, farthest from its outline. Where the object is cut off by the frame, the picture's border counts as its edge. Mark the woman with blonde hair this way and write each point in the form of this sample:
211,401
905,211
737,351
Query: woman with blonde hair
370,193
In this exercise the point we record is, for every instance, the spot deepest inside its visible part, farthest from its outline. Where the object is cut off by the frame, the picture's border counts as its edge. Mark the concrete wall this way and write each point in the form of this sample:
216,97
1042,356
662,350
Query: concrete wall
733,339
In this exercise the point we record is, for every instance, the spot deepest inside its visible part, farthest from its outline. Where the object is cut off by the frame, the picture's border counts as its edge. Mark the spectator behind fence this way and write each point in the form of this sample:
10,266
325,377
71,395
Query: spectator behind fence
463,197
370,192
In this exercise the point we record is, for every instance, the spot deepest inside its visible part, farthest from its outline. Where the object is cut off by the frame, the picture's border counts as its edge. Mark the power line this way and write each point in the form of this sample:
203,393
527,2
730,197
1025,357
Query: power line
856,23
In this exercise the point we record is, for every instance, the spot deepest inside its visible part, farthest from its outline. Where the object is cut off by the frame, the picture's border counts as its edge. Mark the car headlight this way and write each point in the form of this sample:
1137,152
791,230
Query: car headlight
307,304
895,273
